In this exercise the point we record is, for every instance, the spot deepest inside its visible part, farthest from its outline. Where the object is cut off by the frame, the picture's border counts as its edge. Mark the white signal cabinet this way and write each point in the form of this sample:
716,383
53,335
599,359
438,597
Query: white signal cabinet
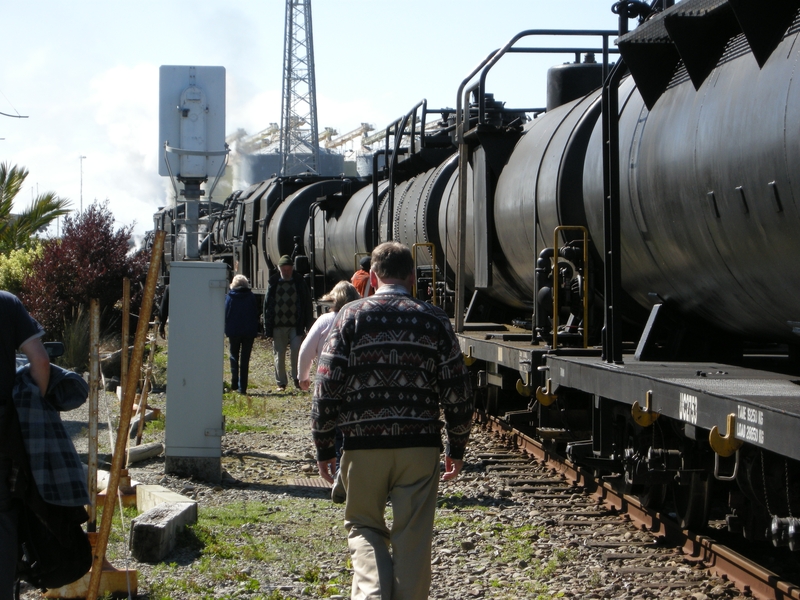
195,369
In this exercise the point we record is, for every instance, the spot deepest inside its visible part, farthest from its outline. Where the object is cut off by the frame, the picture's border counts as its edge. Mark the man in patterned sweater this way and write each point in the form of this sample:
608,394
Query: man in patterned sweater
390,365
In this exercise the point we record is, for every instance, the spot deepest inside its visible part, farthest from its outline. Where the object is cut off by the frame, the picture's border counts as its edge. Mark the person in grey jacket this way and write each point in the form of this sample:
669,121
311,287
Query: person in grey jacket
18,330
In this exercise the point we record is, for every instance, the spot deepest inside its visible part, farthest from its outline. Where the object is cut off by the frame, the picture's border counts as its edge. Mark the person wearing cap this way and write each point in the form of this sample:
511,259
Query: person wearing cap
241,329
360,278
288,314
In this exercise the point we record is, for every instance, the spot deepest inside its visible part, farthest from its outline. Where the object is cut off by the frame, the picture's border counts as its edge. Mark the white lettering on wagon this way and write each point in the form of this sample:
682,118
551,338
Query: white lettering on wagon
687,411
748,424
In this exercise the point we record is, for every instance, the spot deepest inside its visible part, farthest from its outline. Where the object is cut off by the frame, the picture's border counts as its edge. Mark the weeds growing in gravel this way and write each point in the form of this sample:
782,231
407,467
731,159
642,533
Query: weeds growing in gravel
159,373
296,532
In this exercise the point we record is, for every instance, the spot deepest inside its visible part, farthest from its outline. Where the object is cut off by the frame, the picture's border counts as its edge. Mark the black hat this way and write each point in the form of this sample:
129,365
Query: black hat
365,263
285,260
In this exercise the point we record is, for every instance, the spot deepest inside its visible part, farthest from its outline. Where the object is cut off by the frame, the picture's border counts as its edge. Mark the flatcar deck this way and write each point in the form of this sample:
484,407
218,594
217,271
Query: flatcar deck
764,404
501,344
508,346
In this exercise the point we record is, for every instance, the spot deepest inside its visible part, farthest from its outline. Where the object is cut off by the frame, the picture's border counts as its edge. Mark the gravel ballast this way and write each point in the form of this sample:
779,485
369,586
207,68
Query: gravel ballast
269,530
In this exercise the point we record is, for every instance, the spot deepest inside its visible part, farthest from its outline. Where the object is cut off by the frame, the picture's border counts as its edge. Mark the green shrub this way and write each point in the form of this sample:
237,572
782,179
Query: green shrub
16,266
76,341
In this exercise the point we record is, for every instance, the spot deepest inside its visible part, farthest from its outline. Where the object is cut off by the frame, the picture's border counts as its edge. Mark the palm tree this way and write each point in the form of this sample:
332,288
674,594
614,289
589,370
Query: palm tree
17,230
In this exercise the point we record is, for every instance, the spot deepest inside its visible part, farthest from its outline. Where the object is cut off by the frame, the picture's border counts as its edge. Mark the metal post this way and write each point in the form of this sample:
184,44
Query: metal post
375,202
461,235
612,342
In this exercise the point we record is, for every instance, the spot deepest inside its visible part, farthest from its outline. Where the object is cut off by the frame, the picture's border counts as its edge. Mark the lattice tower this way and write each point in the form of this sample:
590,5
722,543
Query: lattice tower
299,139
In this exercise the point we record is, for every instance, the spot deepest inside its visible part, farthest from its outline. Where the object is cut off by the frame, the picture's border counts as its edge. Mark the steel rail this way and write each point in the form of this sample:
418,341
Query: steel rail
719,559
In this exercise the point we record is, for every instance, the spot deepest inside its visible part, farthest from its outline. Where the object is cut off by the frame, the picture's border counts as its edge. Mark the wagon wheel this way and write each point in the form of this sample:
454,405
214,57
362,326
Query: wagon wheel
651,496
692,501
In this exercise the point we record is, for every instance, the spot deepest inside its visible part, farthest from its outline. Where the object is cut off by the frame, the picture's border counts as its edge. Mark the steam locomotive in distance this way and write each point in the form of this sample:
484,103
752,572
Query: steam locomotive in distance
620,265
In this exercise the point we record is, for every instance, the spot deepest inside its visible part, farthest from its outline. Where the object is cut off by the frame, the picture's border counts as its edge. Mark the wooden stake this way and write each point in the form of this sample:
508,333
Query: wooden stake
126,409
126,324
94,402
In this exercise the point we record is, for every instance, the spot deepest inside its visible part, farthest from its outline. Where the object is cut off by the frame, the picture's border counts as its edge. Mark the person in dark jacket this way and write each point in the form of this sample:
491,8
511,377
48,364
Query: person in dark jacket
17,330
163,313
287,316
241,328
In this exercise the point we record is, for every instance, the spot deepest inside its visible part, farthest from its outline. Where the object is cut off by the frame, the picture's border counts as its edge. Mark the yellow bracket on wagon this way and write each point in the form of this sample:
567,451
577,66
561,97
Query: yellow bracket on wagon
469,360
644,417
546,396
725,445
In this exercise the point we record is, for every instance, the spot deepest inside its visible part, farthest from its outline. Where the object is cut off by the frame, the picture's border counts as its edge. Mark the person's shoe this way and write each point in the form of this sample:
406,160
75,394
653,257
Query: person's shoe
296,383
338,493
281,388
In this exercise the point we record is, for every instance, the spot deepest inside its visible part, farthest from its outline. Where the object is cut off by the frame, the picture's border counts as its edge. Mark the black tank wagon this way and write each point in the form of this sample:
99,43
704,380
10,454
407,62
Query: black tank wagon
621,265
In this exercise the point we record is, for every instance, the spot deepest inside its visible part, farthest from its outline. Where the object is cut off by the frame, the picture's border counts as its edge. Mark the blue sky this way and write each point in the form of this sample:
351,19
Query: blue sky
86,75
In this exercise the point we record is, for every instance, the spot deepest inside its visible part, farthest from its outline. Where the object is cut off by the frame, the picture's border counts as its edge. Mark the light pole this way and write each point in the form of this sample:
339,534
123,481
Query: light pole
81,157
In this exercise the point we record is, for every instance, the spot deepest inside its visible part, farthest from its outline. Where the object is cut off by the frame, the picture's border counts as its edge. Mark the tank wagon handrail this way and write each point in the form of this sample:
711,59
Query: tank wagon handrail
493,57
375,200
585,298
383,133
312,244
397,127
462,123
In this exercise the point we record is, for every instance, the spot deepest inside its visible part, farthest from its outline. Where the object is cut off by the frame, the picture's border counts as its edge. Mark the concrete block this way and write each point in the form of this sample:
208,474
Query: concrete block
153,533
150,496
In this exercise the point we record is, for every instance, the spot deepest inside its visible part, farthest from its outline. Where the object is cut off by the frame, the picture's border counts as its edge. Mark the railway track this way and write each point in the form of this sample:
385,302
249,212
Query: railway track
516,524
633,541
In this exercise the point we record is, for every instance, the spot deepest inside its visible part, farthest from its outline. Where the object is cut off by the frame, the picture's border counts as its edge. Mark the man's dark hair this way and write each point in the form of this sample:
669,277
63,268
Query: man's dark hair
392,260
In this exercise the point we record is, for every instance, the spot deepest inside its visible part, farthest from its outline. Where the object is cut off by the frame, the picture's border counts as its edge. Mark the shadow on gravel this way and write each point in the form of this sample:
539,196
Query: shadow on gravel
295,491
265,456
76,427
482,501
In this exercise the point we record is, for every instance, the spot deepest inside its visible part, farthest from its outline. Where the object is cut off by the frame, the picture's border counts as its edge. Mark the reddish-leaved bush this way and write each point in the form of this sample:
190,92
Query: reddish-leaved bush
89,261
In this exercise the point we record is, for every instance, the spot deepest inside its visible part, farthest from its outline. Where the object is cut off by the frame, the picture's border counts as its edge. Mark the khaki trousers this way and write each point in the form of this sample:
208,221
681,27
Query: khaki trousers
281,338
409,477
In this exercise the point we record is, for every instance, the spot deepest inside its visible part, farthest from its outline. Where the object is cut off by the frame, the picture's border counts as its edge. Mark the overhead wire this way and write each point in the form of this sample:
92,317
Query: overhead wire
16,116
